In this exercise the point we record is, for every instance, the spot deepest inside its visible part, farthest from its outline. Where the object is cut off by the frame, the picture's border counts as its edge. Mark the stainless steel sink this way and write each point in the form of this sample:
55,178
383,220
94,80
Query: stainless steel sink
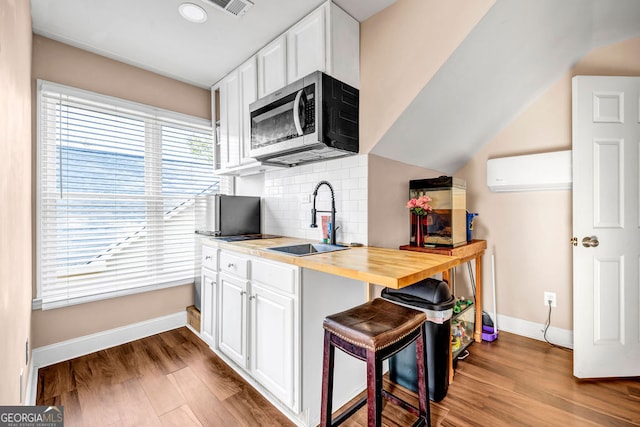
307,249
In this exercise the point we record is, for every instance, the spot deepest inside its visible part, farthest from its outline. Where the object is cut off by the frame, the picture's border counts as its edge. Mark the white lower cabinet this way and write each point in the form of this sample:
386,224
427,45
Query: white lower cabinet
209,295
258,321
272,341
269,320
232,319
208,306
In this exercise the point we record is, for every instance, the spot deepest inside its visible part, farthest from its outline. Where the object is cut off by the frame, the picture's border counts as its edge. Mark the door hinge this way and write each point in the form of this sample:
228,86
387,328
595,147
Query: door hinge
574,241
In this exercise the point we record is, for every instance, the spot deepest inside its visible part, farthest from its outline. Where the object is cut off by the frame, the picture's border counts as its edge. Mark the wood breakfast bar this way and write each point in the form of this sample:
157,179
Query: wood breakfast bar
385,267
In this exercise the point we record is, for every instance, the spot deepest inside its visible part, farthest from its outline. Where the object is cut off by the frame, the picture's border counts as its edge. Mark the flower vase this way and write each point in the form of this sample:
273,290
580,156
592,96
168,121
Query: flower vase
418,231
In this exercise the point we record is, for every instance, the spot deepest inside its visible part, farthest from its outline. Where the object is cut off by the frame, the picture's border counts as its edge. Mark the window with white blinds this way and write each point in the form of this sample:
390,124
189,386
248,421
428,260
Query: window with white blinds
116,187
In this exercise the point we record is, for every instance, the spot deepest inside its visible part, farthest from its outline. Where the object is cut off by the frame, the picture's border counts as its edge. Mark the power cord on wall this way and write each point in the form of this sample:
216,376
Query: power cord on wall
546,328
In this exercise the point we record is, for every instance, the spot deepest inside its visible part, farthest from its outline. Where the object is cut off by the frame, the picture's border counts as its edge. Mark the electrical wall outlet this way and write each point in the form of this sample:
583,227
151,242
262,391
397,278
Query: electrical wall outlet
550,296
305,198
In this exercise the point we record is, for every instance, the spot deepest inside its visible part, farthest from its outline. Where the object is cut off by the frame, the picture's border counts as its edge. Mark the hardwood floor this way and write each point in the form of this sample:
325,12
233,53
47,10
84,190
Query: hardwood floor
169,379
173,379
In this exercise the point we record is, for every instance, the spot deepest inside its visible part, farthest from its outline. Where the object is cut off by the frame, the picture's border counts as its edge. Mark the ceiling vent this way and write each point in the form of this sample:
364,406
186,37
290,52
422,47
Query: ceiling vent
232,7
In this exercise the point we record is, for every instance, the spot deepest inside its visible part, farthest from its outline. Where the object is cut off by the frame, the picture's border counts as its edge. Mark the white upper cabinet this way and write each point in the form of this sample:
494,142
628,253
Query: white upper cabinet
342,46
229,135
306,46
272,66
327,39
248,75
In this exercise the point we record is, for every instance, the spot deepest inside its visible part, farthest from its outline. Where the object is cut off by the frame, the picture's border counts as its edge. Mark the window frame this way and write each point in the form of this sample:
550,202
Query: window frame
161,117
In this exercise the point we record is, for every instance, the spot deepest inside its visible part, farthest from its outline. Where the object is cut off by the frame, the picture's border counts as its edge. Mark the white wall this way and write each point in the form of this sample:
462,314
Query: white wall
388,196
530,231
287,199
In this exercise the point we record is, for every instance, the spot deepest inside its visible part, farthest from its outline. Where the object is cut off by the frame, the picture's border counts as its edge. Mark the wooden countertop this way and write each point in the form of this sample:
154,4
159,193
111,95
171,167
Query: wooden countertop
387,267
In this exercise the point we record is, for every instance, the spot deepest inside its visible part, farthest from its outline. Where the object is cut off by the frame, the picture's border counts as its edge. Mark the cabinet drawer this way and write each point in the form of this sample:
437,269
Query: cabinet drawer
209,258
278,276
234,264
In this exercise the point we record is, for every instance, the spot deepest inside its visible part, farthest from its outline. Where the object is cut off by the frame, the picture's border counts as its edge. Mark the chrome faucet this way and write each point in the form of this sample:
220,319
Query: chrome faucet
314,211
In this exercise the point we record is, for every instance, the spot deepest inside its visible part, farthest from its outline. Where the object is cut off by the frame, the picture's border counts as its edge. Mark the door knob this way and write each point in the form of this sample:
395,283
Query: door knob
590,242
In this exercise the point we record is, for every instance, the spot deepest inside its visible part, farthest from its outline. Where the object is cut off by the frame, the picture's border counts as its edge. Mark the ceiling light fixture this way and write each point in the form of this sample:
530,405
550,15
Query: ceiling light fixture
192,13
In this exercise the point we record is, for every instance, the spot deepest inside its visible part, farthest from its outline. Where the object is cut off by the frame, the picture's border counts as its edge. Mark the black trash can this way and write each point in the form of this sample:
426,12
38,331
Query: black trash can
434,298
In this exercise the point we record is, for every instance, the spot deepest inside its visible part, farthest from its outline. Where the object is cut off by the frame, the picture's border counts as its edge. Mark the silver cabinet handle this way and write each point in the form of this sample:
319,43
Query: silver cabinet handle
231,265
590,242
208,257
251,297
243,293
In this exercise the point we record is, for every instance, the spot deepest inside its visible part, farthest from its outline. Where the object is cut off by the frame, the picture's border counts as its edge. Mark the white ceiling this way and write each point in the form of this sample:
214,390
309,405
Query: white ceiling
151,34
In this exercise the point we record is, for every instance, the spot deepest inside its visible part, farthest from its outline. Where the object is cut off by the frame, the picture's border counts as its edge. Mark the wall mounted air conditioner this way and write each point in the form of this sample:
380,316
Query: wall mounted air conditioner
545,171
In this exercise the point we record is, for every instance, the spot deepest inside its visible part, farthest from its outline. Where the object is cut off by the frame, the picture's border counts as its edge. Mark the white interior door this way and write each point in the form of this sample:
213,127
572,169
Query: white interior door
606,223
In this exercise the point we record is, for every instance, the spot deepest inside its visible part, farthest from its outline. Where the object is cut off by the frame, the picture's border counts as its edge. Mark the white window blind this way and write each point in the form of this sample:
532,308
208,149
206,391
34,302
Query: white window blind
116,188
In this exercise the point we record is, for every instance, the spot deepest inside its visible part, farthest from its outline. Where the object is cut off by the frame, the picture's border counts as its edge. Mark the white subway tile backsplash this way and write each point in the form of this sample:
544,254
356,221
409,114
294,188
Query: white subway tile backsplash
363,182
319,167
288,208
350,183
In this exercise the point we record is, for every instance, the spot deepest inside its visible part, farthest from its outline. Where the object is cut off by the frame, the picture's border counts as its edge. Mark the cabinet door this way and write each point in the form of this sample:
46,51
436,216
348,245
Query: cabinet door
215,115
272,67
306,50
232,320
272,341
230,121
208,306
248,75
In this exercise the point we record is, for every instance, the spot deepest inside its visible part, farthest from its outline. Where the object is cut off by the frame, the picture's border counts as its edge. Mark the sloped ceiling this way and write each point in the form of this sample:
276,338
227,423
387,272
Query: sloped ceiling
516,51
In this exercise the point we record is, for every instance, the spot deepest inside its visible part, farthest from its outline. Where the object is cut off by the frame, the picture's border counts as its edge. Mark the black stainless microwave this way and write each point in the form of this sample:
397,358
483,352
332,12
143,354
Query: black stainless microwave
311,119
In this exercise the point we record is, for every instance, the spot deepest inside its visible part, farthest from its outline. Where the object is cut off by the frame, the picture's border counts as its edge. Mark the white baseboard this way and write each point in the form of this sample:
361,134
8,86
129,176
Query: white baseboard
66,350
557,336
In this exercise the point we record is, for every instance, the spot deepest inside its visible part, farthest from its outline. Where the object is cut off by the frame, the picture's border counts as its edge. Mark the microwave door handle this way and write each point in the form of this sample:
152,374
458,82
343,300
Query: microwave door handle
296,113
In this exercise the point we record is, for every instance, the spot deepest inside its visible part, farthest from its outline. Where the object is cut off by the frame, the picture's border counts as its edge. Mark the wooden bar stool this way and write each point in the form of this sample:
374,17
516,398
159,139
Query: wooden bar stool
373,332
